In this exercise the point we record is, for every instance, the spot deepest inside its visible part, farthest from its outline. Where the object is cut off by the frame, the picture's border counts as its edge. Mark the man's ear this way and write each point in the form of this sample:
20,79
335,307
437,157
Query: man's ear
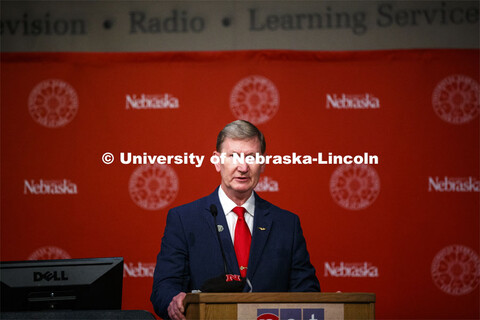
217,165
262,168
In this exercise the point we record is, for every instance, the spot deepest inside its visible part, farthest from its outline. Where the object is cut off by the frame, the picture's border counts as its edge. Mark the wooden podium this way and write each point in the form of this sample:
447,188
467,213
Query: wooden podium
292,305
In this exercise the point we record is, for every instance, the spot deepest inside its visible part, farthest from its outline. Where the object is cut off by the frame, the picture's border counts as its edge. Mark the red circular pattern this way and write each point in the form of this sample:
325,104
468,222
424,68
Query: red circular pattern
153,187
456,270
354,186
456,99
49,253
53,103
255,99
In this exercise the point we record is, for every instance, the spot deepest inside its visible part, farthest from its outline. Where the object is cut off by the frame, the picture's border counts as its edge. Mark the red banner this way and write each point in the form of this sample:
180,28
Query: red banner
391,204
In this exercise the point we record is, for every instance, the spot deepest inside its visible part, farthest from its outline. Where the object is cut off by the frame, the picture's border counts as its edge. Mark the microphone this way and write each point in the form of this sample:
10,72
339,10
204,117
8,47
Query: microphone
226,282
214,212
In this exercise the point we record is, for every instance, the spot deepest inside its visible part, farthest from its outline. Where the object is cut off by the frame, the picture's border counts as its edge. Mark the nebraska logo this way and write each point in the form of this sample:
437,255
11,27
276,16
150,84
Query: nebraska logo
151,101
255,99
138,270
53,103
49,253
153,187
354,187
266,184
353,101
456,99
291,313
451,184
232,277
55,187
351,270
456,270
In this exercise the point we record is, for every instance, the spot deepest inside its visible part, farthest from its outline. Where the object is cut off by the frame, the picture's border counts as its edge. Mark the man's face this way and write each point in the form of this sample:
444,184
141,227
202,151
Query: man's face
238,180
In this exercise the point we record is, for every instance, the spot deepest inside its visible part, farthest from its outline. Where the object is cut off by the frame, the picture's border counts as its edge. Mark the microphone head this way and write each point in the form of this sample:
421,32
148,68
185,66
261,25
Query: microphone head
213,210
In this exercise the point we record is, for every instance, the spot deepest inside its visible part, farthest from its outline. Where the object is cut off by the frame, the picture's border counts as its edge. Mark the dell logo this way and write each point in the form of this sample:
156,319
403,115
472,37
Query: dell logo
48,276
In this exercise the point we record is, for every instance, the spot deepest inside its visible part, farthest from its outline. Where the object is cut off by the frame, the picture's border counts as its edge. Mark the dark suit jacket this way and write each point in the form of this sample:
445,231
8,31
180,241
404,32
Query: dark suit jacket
190,253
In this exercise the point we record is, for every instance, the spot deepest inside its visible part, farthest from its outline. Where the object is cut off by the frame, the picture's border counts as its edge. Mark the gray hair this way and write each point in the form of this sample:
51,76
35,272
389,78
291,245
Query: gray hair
241,129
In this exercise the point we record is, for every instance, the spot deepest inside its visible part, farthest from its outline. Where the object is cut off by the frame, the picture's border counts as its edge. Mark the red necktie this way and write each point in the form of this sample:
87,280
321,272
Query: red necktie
243,238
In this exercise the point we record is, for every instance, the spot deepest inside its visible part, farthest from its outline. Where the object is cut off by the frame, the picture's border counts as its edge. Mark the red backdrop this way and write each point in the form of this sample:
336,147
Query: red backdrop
406,228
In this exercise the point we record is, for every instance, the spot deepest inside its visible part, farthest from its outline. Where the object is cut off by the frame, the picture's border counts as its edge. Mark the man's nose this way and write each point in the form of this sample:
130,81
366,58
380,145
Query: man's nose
243,167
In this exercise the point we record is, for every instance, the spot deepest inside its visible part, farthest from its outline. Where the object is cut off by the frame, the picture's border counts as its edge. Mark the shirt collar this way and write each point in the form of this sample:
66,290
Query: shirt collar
228,204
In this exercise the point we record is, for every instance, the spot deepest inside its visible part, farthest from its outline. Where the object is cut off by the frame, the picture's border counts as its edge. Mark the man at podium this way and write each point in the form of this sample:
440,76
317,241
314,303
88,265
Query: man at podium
232,235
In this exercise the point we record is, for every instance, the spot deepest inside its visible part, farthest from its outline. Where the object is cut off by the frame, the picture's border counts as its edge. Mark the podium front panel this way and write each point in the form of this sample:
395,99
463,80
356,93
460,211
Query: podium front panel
278,306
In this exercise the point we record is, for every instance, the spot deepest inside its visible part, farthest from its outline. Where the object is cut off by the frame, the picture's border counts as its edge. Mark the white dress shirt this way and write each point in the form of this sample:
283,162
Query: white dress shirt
228,205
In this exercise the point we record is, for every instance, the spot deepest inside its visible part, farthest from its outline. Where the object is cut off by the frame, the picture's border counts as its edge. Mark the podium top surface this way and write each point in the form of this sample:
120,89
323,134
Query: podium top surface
280,297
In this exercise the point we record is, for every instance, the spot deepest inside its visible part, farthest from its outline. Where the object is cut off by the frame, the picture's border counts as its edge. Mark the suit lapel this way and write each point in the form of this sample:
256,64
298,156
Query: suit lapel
261,229
230,256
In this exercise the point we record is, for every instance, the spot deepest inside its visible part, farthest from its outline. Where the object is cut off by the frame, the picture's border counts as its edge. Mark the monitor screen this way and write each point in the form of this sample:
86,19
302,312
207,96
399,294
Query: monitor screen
74,284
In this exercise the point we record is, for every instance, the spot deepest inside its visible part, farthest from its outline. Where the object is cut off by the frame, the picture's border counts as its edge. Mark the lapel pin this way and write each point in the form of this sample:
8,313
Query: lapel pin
219,227
262,229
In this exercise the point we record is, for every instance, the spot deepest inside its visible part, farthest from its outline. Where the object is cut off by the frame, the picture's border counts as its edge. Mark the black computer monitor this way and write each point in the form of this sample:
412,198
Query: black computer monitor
74,284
